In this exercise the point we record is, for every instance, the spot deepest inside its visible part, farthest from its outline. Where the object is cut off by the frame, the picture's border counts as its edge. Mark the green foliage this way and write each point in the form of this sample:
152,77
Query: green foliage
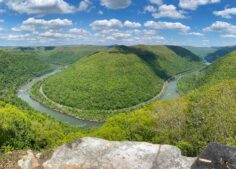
15,69
21,129
65,54
60,55
24,128
222,69
102,84
190,122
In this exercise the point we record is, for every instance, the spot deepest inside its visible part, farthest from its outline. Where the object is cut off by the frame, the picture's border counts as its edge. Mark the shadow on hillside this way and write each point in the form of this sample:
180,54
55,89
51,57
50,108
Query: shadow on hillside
148,57
182,52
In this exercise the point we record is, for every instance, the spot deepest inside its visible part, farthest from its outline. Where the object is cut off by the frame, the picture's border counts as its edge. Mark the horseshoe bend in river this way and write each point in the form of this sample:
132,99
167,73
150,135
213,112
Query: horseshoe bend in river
170,92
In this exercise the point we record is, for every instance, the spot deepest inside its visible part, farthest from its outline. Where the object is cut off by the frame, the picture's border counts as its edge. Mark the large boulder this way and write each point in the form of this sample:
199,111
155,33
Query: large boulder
92,153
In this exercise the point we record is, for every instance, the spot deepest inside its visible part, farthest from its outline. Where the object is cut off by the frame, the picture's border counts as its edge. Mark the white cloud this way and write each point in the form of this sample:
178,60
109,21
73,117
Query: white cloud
79,31
129,24
168,11
106,24
228,36
57,23
193,4
116,4
54,34
150,8
220,26
226,13
34,25
166,25
40,7
84,5
121,35
193,33
158,2
2,20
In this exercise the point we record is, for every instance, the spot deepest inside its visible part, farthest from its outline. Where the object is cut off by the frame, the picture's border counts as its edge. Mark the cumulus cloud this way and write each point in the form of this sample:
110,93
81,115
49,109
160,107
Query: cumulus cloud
40,7
84,5
193,4
158,2
116,4
220,26
106,24
166,25
168,11
129,24
48,23
226,13
150,8
32,24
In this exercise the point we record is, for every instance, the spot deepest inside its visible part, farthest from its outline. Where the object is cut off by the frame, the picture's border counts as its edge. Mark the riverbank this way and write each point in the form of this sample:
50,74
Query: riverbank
24,94
169,91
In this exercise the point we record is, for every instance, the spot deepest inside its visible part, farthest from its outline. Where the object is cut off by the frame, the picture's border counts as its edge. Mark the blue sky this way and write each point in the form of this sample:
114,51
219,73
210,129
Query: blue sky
107,22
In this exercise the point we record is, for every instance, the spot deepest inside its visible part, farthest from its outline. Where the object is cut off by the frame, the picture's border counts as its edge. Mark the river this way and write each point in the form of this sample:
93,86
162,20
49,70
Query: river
170,92
24,94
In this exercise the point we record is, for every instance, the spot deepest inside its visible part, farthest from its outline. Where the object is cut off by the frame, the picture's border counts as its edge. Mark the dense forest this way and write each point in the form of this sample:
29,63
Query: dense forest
222,69
190,122
221,52
22,127
59,55
100,85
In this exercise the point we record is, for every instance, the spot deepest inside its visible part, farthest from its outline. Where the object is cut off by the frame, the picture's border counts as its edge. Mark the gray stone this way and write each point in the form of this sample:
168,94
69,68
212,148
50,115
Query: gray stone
28,161
92,153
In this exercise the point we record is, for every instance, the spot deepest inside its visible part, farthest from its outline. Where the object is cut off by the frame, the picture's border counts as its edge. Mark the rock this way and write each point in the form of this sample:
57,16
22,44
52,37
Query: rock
28,161
216,156
92,153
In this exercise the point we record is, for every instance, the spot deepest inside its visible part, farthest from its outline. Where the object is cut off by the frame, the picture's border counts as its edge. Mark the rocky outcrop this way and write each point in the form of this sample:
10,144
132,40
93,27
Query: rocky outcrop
29,161
92,153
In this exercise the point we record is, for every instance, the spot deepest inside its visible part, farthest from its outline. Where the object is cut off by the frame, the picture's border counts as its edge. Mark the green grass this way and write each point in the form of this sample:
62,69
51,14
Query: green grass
222,69
116,79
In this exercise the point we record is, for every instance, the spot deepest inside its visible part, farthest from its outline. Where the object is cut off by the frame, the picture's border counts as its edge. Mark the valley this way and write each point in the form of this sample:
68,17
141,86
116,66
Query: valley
129,87
160,116
121,84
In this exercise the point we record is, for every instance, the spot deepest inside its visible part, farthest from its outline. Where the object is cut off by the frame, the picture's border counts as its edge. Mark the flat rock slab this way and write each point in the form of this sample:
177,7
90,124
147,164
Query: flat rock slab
216,156
92,153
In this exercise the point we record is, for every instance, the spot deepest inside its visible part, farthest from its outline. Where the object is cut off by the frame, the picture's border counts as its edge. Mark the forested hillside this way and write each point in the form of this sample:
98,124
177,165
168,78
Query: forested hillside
202,51
15,69
222,69
58,54
117,78
220,53
21,127
190,122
